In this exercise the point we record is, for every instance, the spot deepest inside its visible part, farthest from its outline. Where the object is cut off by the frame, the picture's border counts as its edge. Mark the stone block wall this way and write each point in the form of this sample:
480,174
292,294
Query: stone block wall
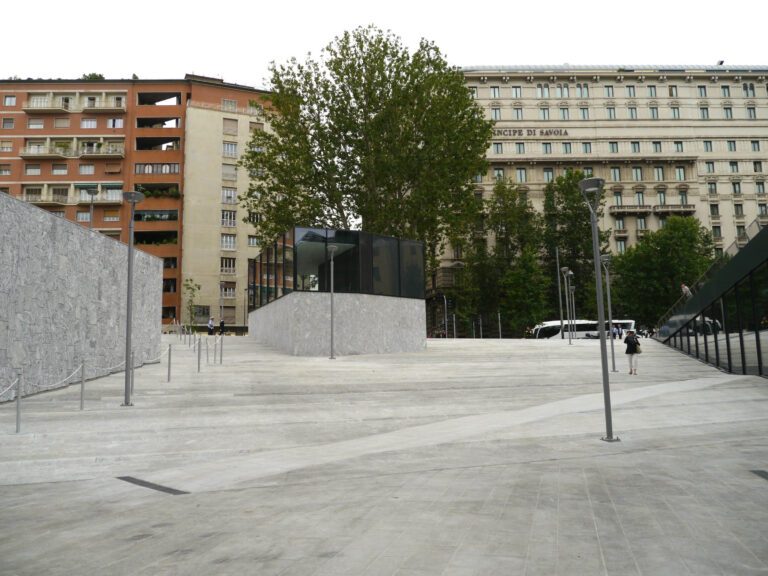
63,299
299,324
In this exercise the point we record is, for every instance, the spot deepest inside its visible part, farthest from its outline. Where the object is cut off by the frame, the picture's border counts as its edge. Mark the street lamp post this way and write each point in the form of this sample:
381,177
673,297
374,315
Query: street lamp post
445,313
573,308
133,198
559,292
566,271
605,259
593,187
332,249
91,192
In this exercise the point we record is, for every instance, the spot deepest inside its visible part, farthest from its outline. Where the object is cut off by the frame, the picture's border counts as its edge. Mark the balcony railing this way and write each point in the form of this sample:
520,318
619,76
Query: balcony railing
621,232
104,105
641,232
674,209
105,151
103,197
40,151
58,104
630,209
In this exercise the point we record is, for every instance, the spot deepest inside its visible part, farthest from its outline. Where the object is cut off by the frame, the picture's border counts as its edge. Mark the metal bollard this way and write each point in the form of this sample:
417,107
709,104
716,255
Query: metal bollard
19,394
215,347
169,362
199,350
221,350
207,355
82,385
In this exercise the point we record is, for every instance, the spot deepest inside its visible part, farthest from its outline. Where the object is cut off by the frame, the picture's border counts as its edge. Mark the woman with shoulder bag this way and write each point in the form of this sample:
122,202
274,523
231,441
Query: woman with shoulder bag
633,351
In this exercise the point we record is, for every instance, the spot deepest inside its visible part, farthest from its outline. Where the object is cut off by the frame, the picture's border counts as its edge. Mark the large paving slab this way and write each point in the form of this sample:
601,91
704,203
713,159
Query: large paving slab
472,457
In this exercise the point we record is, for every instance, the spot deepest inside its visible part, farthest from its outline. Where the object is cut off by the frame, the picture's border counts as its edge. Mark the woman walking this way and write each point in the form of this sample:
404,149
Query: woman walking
633,351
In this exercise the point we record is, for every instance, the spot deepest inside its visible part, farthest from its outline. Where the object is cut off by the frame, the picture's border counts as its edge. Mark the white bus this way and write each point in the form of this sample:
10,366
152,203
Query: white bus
582,328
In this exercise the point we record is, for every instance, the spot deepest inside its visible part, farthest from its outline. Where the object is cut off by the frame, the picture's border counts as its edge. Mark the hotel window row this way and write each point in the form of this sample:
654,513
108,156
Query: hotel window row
582,90
631,113
635,147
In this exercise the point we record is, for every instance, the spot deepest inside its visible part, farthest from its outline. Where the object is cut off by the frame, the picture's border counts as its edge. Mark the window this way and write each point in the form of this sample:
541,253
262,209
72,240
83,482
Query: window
61,122
229,149
736,188
589,171
544,114
582,90
654,113
521,175
615,174
6,146
59,169
83,216
253,242
228,242
566,147
542,90
741,232
704,113
228,172
8,123
549,175
564,114
707,145
494,91
714,209
709,167
738,209
88,123
473,92
617,199
680,173
675,113
586,148
755,145
111,215
114,123
516,92
762,209
35,123
678,146
712,187
9,101
637,173
632,113
613,147
609,91
760,187
728,113
229,218
229,105
228,265
32,169
169,285
630,91
520,147
229,196
517,113
562,91
658,173
733,166
662,221
657,146
610,113
495,113
619,223
546,148
749,90
641,225
757,166
701,91
621,246
583,113
716,232
661,196
635,147
673,91
86,169
498,148
652,91
5,169
731,145
498,174
725,91
751,113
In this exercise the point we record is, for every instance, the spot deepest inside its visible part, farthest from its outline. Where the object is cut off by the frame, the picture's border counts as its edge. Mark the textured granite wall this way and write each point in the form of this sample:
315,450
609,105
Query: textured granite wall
62,299
299,324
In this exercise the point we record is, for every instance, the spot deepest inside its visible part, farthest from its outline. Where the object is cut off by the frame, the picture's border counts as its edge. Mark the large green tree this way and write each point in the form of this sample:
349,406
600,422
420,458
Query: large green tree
569,228
647,277
368,136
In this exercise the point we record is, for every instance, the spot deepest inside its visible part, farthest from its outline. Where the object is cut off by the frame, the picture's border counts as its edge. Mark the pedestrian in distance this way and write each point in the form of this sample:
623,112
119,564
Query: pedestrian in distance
633,351
686,292
221,326
210,326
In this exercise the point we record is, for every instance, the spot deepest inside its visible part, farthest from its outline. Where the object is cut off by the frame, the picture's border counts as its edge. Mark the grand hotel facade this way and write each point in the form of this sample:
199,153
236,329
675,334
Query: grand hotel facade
682,140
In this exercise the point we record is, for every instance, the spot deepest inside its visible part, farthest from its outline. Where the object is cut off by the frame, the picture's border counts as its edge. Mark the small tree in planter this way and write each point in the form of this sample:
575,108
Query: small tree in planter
191,290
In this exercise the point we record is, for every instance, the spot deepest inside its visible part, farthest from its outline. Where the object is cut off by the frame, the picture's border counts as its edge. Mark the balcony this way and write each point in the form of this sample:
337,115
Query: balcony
641,233
42,152
104,105
100,151
621,233
104,197
47,106
630,209
684,209
762,219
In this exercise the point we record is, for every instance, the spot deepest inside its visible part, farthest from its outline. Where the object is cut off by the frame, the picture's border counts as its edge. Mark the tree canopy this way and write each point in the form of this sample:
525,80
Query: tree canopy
369,136
648,276
92,76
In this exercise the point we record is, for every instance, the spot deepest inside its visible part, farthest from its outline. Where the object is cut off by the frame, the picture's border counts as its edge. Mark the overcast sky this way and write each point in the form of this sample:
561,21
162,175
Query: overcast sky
236,40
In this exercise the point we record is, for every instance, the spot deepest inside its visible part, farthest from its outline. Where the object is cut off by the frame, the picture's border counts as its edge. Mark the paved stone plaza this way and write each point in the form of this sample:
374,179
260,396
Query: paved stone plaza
473,457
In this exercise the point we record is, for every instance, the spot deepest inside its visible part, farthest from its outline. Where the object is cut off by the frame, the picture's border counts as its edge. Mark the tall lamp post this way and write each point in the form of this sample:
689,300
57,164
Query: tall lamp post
133,198
566,274
591,188
605,259
332,249
92,192
559,293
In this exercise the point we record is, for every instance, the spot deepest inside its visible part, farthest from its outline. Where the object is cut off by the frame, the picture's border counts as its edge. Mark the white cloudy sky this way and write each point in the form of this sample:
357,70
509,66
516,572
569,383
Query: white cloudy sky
236,40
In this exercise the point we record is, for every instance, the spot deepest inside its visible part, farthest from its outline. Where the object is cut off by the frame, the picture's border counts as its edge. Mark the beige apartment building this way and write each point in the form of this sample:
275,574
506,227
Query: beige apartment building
685,140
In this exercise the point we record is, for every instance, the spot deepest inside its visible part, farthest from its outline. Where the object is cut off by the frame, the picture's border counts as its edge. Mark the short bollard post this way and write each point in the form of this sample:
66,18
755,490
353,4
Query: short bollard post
199,352
221,350
169,362
82,385
207,355
19,394
215,347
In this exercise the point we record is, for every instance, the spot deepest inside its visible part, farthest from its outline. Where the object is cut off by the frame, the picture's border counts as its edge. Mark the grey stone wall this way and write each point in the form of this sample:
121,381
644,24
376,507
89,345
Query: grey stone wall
299,324
63,297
